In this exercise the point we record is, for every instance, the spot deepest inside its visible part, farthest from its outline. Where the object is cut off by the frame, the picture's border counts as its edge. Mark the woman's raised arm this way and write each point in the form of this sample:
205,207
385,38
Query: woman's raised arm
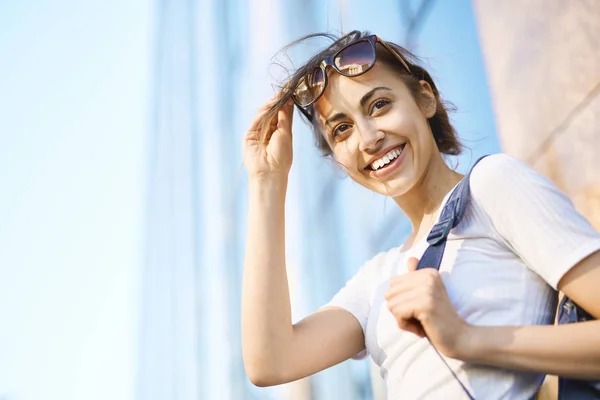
274,350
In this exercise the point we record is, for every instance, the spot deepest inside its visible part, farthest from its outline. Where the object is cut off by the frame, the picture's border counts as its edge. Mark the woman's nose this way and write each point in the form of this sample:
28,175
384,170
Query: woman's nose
370,138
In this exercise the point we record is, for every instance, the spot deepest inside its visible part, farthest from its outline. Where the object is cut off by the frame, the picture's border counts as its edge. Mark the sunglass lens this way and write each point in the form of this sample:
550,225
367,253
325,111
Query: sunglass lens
310,87
355,59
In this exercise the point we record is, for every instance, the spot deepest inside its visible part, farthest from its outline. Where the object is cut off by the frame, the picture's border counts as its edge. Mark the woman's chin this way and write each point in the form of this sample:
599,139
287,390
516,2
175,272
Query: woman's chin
391,188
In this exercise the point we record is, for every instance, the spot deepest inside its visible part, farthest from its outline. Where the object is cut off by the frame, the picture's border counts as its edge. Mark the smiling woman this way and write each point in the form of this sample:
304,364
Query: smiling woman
490,307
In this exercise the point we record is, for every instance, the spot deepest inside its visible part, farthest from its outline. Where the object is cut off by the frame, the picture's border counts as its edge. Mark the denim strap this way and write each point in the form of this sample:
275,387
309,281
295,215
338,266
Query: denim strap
451,215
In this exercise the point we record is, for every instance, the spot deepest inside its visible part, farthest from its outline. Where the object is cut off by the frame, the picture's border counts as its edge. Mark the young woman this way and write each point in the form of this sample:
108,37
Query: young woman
489,309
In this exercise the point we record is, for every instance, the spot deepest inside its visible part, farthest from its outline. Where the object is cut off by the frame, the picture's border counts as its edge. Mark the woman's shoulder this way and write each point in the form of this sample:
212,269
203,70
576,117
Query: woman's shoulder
500,175
532,215
498,166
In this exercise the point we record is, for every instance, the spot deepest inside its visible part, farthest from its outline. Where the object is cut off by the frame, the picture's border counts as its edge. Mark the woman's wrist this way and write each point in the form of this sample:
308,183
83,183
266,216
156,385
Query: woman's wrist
275,180
483,344
268,187
471,343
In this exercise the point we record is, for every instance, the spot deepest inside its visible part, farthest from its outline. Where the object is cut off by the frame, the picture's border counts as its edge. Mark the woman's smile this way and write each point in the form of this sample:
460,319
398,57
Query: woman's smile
388,163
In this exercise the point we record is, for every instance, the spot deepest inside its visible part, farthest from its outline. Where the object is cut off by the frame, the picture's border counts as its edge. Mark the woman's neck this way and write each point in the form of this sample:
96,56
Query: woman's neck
421,203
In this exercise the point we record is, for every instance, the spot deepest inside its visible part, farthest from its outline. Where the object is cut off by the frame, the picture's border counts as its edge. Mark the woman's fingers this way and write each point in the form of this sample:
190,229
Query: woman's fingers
412,297
285,117
422,278
268,141
406,309
412,325
420,304
258,121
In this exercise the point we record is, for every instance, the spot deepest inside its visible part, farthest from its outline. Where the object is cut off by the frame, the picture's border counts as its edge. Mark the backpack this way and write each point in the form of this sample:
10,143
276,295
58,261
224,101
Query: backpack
568,311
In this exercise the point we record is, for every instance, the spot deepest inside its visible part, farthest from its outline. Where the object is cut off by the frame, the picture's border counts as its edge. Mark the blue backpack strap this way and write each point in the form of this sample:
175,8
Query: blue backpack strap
451,215
569,313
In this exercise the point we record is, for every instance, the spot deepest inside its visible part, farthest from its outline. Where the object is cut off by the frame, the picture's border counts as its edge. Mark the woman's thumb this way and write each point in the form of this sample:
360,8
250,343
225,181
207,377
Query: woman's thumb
285,115
412,264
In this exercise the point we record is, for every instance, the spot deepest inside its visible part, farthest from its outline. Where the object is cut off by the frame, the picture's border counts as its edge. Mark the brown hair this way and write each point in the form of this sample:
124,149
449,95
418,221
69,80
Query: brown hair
444,133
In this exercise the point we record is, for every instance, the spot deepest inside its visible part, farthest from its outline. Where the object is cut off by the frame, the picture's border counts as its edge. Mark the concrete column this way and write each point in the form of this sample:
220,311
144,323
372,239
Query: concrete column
543,68
543,64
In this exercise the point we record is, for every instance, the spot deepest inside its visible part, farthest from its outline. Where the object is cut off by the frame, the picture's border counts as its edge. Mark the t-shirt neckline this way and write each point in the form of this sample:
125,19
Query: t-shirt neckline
419,244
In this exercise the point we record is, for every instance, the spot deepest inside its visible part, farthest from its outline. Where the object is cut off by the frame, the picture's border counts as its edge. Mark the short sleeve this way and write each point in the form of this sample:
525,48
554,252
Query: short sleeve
355,297
536,220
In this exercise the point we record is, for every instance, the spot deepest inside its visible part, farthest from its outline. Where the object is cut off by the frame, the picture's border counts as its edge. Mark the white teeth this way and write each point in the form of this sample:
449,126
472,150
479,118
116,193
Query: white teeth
386,159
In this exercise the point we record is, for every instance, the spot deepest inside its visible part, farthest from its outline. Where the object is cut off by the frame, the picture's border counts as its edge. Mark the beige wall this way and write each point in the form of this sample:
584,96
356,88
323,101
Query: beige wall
543,64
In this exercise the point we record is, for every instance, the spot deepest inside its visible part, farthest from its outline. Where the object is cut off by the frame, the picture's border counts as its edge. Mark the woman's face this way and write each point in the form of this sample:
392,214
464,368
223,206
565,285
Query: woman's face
376,129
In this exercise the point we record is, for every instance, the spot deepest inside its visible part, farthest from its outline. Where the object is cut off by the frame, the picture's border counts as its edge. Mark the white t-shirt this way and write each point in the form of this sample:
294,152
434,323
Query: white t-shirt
518,237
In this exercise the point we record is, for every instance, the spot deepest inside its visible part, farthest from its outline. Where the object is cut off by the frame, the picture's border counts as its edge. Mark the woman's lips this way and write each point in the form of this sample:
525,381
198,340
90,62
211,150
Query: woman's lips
391,167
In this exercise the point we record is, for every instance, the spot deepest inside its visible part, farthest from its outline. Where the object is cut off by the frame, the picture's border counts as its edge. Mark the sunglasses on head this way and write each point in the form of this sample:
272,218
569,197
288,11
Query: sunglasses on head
354,59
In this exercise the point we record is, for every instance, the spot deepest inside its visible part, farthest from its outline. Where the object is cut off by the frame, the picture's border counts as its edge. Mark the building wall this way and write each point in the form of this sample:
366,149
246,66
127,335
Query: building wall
543,69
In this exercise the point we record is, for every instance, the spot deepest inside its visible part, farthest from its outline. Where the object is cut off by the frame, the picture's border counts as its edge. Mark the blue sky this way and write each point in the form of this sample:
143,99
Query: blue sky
74,87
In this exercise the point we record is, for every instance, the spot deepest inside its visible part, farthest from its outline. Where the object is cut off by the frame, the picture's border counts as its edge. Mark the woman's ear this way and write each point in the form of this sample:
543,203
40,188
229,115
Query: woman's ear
428,100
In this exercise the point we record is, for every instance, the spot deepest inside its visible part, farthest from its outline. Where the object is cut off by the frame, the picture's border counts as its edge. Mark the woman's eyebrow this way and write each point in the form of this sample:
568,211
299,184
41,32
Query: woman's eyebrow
338,116
370,94
335,118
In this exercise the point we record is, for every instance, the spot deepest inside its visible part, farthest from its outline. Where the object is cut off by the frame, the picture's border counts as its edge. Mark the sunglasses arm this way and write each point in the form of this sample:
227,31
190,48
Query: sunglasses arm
304,112
398,56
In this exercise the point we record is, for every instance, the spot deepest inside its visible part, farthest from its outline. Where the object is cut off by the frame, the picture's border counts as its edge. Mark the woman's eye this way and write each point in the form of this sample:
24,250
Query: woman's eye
378,105
340,129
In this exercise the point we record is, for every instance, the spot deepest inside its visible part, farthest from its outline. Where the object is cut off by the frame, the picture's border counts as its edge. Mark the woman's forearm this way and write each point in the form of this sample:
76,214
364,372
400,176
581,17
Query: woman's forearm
266,311
571,350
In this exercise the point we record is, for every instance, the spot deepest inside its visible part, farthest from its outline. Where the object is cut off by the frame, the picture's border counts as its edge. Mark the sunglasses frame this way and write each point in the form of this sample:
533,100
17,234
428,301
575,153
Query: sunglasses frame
329,61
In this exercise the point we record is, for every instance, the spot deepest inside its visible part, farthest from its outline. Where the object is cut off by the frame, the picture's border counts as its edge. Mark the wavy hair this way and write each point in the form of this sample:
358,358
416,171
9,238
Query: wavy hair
444,133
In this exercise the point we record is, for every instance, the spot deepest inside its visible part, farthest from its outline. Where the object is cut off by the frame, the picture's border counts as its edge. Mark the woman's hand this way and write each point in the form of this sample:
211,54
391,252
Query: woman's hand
272,155
419,302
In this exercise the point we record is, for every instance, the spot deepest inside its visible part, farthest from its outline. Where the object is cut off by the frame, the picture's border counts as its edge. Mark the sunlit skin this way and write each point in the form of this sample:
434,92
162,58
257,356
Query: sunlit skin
364,115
